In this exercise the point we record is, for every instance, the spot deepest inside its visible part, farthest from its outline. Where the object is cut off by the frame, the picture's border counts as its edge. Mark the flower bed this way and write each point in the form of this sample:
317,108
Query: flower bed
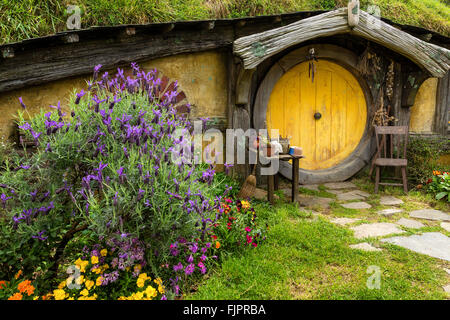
100,198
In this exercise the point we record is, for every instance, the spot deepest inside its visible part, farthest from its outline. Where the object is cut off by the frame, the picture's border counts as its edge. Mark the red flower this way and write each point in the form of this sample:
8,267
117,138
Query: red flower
214,237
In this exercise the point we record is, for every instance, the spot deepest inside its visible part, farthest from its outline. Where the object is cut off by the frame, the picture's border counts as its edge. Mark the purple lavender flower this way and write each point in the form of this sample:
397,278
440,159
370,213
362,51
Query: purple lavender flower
40,236
79,96
189,269
96,69
122,176
21,103
4,198
178,267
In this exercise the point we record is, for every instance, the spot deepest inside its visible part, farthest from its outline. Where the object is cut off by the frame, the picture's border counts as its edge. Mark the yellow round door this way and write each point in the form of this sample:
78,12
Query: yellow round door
327,117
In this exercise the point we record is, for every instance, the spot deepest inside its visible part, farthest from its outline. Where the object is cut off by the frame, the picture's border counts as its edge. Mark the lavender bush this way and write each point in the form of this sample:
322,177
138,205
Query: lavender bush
104,168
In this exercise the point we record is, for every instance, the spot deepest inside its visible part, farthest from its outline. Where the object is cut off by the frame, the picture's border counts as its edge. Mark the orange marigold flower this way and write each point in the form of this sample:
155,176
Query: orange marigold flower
18,274
2,284
16,296
217,244
22,287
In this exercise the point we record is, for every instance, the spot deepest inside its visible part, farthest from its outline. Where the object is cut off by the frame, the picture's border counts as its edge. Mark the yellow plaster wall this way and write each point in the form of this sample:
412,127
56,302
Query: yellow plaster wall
202,76
422,113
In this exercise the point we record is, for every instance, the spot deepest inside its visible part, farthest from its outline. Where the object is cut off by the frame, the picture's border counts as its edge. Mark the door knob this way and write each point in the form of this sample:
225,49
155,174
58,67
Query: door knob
317,115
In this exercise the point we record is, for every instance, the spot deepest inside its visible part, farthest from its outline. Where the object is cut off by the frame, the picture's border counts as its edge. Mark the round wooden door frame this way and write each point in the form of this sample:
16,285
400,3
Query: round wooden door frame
361,156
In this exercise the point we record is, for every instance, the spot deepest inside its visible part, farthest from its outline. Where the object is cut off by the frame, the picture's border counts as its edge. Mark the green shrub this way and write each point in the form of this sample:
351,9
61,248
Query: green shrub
104,170
422,155
440,186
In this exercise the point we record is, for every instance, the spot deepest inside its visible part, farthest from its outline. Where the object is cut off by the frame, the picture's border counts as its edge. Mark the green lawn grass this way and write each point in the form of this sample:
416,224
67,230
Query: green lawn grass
305,258
24,19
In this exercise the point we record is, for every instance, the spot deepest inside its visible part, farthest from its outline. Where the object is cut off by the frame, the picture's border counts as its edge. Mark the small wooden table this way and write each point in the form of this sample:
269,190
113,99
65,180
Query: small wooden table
272,180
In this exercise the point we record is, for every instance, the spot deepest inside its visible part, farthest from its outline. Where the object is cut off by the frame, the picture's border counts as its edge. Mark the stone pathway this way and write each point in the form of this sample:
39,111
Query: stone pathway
375,230
344,221
433,244
446,226
365,247
389,212
408,223
430,214
390,201
357,205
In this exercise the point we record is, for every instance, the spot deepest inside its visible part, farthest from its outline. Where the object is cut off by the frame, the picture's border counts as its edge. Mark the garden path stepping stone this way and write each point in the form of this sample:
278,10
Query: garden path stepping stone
336,192
446,226
362,193
408,223
357,205
311,202
349,196
313,187
375,230
364,246
344,221
389,212
339,185
433,244
430,214
447,288
390,201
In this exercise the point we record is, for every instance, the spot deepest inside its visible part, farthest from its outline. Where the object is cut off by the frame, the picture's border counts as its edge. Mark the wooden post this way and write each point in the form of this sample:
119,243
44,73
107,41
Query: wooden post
295,176
353,13
277,181
270,188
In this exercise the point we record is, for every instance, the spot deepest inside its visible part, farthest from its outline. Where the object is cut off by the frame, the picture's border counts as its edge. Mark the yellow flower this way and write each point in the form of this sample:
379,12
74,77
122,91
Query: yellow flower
104,252
105,266
81,264
84,292
137,267
89,284
79,280
96,270
59,294
139,295
151,292
161,289
94,259
62,284
140,282
245,204
99,280
144,276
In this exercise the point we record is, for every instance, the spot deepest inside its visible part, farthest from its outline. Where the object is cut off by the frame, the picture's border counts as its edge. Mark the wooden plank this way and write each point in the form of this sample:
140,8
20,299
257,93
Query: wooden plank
441,124
57,62
258,47
295,179
270,189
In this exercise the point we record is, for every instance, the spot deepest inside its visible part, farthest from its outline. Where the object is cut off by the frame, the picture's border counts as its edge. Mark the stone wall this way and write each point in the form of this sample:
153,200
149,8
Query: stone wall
423,111
202,76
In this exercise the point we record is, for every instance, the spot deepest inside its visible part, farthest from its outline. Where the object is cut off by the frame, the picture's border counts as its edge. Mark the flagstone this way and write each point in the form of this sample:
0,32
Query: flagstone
430,214
390,201
313,187
344,221
357,205
389,212
433,244
446,226
339,185
349,196
364,246
409,223
375,230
